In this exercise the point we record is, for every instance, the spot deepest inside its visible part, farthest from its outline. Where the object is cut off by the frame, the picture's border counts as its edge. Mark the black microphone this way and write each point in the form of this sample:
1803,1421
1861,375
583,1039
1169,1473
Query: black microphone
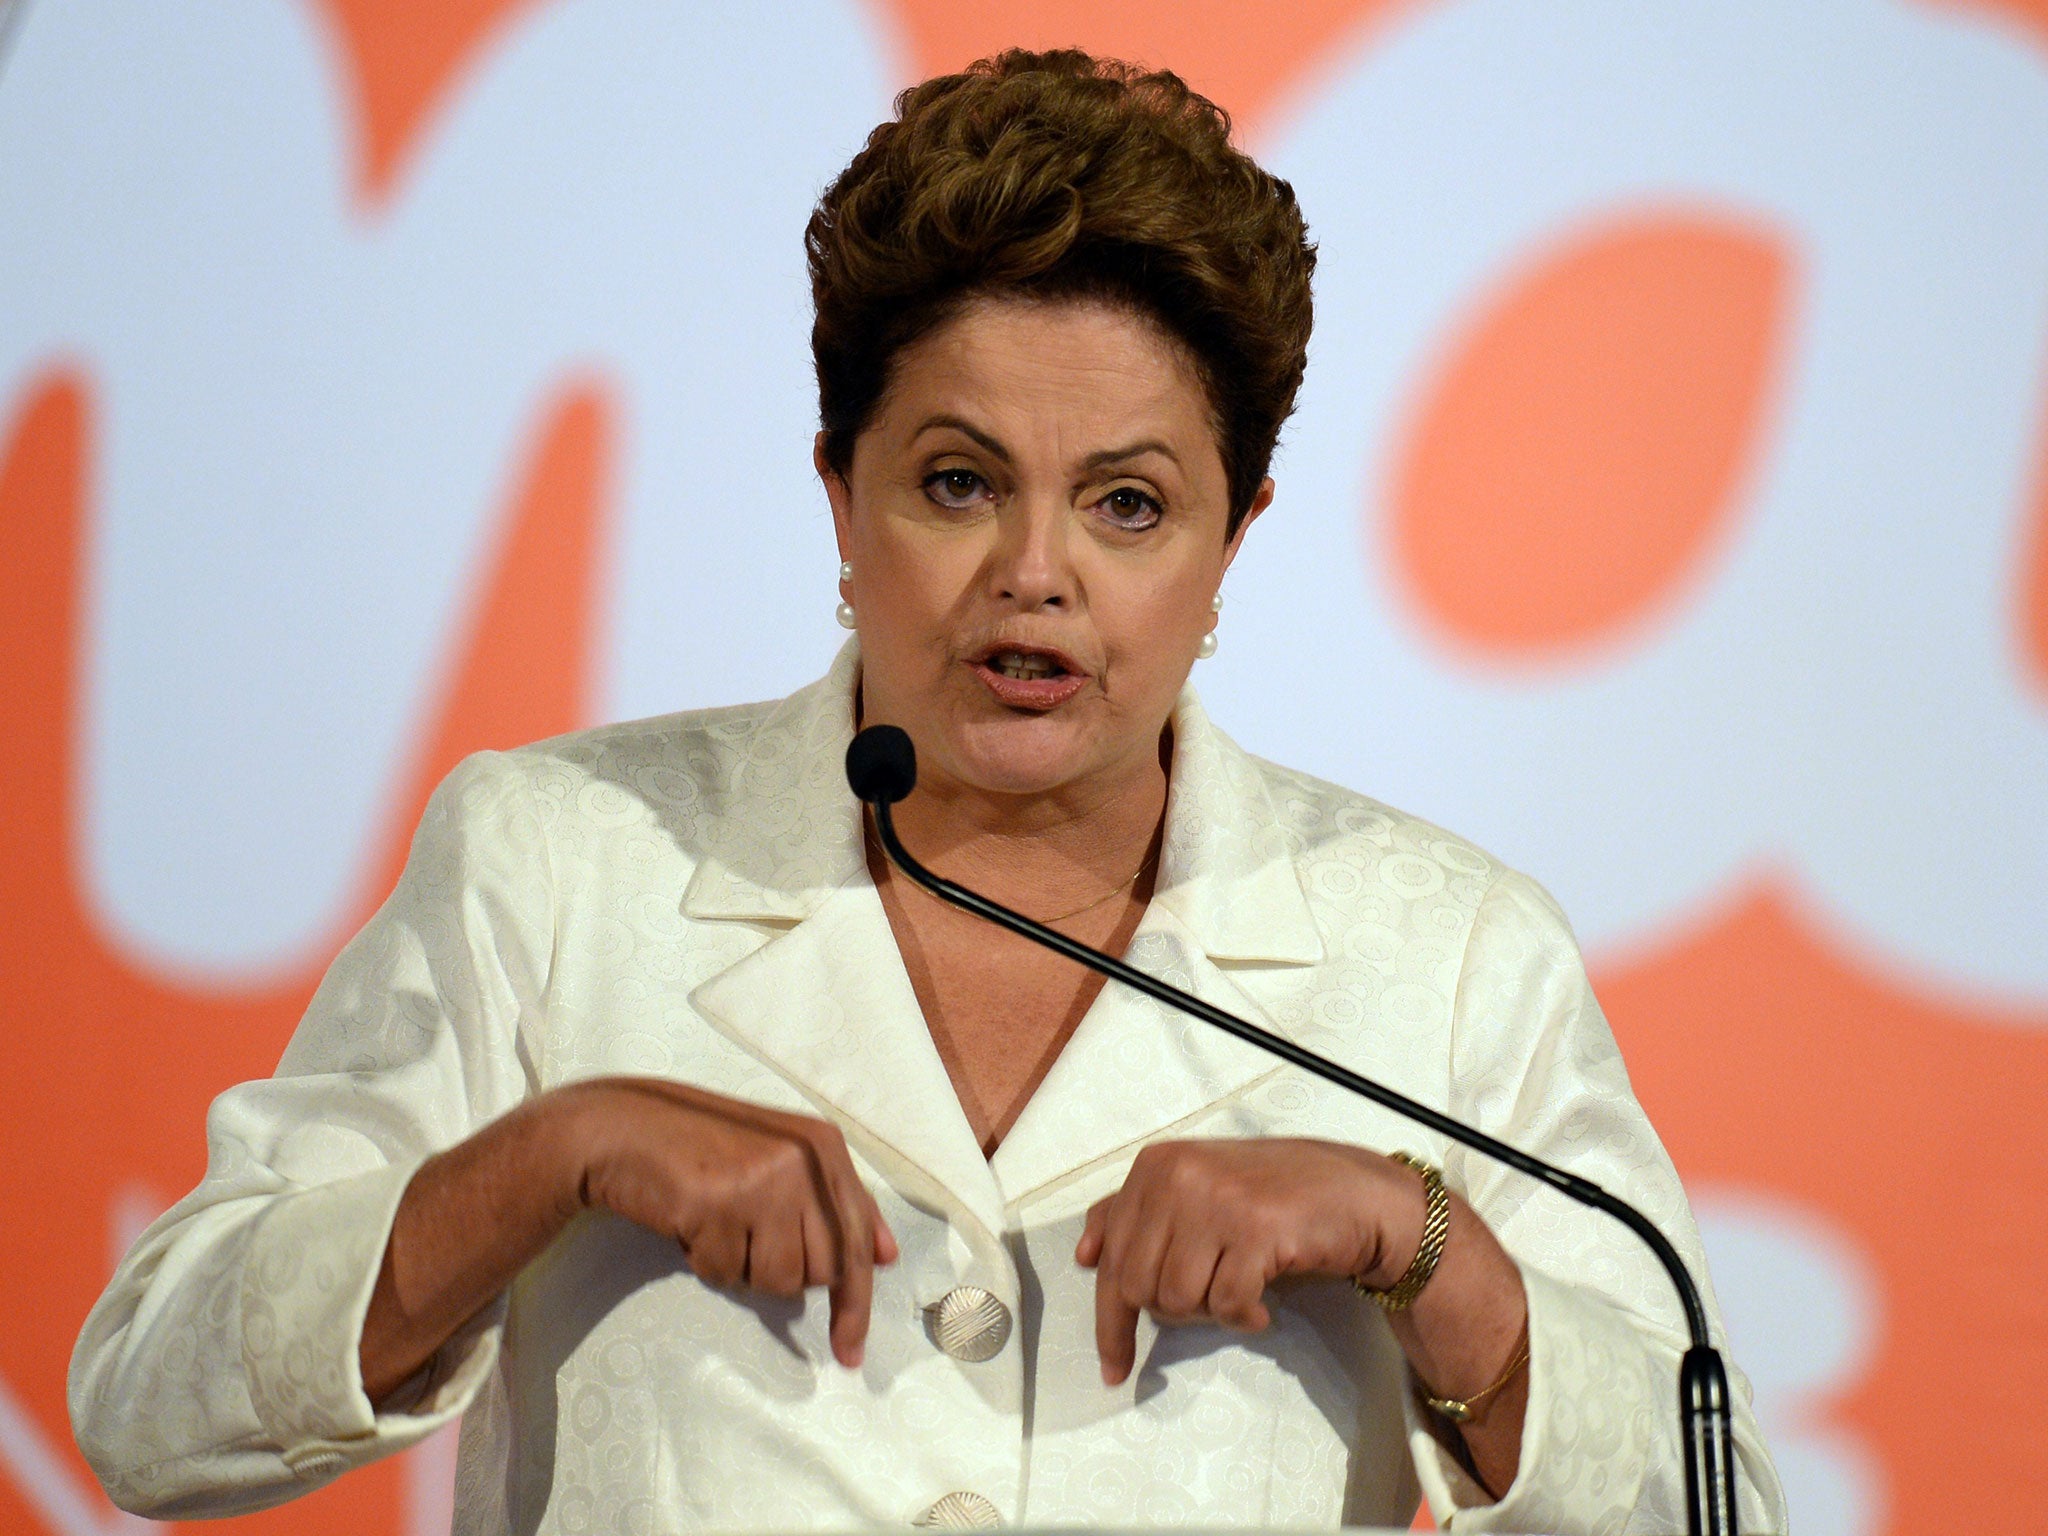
881,768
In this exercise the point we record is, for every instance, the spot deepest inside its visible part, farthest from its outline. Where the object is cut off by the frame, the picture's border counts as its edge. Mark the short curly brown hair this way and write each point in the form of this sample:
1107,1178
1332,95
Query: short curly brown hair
1059,175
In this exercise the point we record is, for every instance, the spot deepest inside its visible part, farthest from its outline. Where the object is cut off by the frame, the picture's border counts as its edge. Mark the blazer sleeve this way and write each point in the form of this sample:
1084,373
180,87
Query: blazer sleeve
219,1372
1534,1063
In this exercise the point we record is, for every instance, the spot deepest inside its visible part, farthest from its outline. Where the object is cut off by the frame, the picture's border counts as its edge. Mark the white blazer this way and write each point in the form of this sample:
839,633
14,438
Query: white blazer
687,897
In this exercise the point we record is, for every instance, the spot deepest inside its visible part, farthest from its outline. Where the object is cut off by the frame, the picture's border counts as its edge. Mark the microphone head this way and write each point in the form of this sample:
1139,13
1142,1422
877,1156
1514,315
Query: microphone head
881,764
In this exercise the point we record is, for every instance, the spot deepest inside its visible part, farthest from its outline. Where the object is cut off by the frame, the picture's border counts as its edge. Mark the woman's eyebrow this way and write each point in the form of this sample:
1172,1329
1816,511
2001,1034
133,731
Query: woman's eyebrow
966,428
1132,451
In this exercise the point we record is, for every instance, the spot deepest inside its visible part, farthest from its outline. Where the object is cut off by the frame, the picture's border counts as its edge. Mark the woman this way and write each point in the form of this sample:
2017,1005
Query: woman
722,1179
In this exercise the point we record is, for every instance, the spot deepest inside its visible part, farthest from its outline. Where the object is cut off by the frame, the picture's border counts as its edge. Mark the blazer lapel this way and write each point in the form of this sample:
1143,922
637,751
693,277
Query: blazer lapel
829,1006
826,1002
1227,895
1134,1069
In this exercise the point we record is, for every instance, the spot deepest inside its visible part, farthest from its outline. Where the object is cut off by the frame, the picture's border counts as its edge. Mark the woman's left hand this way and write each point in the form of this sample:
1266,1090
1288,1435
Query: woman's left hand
1200,1228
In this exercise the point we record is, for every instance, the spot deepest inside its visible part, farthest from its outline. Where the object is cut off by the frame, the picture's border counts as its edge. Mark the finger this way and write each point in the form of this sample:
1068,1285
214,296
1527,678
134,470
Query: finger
1134,1255
1116,1330
1185,1272
1238,1291
821,1248
718,1253
848,1205
775,1256
1088,1251
1124,1284
853,1283
852,1297
886,1250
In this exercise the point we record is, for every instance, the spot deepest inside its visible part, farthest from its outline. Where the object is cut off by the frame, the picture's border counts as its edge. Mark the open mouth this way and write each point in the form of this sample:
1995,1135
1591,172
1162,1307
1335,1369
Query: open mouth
1029,677
1025,666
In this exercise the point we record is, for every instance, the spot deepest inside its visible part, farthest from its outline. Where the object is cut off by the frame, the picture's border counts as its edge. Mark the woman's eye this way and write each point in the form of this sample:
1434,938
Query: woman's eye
955,488
1129,507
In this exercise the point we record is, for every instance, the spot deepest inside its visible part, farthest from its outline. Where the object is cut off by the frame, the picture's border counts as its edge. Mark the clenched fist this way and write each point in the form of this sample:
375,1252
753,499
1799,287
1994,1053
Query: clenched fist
1201,1228
757,1198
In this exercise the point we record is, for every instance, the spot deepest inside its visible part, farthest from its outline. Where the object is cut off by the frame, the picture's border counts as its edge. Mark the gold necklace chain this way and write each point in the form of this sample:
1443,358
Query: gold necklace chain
869,836
1098,901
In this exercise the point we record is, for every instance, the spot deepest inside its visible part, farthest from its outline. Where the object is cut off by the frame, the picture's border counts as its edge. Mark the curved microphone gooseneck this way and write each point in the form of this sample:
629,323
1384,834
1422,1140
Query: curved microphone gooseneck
881,768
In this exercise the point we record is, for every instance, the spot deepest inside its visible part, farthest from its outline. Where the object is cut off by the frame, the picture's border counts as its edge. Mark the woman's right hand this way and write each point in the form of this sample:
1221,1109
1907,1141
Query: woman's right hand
757,1198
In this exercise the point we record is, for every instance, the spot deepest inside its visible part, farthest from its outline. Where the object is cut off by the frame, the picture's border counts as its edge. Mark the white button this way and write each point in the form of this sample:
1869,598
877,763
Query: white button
968,1323
315,1464
961,1511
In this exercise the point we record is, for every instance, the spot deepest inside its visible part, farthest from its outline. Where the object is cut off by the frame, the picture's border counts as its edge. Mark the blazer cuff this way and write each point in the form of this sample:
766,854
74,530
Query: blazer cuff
307,1278
1587,1432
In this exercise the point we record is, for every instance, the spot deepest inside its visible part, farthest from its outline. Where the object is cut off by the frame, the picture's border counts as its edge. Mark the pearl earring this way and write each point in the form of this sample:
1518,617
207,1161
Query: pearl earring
844,612
1207,647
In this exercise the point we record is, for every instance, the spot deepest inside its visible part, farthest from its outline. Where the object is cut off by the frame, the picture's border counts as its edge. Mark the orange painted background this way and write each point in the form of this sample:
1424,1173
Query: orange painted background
1572,463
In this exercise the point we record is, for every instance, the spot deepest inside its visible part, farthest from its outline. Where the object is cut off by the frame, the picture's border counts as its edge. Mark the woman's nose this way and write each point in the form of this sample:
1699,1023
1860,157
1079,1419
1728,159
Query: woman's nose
1031,565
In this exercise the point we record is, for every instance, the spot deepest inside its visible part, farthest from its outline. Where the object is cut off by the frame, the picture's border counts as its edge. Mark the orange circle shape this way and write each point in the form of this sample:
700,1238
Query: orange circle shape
1579,451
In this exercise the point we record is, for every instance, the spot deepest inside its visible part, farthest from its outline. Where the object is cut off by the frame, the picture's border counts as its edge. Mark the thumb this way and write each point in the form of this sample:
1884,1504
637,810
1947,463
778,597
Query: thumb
1089,1250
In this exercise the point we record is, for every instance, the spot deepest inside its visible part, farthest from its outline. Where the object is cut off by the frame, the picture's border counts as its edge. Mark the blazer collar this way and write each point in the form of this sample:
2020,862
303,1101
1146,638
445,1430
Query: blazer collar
784,831
787,832
828,1004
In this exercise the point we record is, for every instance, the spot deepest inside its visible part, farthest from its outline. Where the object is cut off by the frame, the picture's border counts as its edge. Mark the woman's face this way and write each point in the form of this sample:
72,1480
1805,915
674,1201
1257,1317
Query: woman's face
1036,520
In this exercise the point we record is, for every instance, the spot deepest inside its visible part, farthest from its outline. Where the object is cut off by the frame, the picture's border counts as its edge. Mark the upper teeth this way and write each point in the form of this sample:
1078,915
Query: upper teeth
1018,665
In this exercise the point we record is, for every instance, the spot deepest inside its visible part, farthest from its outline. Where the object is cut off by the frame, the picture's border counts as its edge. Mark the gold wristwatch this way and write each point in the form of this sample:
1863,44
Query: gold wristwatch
1436,1226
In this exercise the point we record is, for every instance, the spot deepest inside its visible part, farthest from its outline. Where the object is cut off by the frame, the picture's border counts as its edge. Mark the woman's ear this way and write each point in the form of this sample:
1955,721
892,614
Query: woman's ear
1261,499
838,494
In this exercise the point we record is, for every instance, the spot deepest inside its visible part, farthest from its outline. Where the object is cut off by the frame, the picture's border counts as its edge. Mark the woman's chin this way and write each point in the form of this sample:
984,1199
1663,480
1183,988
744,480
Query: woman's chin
1023,755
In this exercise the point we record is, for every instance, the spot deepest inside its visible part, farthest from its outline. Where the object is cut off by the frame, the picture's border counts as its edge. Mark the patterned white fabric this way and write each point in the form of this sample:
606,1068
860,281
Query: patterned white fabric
687,896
